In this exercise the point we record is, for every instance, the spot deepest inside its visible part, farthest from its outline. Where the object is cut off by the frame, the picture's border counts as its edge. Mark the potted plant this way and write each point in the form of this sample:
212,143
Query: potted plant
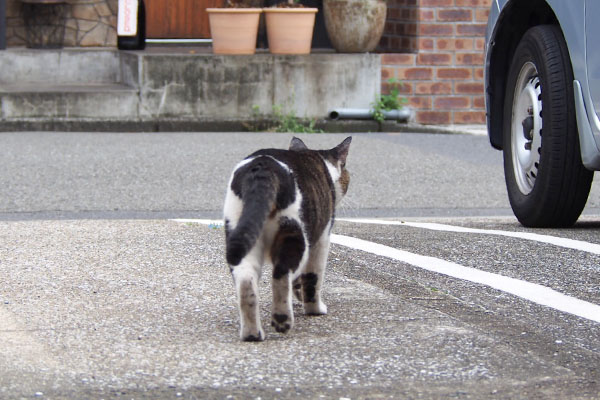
234,28
290,28
354,26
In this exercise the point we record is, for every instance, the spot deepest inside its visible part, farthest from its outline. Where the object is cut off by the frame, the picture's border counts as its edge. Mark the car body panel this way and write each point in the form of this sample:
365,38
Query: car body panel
580,30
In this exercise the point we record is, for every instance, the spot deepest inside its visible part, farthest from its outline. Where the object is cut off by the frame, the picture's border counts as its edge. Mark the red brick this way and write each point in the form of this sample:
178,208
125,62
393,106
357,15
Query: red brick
478,73
389,28
454,44
470,29
405,88
454,14
410,29
469,117
386,88
454,73
434,59
433,88
426,44
384,44
474,3
398,59
408,44
393,13
435,3
436,29
426,15
406,2
482,14
387,73
468,88
480,44
433,117
469,58
478,102
451,103
420,102
416,73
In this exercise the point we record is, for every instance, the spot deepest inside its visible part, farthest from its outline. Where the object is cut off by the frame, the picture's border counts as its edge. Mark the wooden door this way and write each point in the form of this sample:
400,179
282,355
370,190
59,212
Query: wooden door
178,19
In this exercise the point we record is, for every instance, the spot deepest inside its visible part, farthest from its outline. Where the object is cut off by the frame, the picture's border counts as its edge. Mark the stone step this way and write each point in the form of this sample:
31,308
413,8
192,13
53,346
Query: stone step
72,101
60,66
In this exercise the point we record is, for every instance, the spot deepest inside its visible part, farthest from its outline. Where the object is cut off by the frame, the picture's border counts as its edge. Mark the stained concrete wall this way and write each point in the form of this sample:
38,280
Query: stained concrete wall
232,86
105,84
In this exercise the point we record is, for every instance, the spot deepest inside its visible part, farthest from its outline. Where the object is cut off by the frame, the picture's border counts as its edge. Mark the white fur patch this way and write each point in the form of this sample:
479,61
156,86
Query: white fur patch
335,174
333,171
232,209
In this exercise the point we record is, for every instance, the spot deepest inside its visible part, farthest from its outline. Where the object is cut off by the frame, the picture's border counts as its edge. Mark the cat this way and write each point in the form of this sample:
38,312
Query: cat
279,210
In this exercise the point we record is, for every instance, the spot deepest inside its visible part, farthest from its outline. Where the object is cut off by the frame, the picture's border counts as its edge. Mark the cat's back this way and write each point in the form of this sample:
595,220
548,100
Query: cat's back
307,166
314,183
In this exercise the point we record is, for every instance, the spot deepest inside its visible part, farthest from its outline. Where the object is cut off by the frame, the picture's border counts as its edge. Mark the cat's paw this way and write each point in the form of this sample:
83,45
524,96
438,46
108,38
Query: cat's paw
281,322
315,308
256,336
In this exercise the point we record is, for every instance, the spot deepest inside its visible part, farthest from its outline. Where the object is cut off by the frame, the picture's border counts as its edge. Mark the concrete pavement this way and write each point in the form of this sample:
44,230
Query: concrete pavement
102,296
145,309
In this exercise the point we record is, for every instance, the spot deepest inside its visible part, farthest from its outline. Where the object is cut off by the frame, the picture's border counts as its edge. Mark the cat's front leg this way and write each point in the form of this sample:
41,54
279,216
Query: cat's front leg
245,277
312,277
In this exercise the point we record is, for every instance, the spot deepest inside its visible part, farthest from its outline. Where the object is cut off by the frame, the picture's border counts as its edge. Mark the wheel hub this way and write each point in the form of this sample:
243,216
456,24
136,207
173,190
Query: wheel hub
526,128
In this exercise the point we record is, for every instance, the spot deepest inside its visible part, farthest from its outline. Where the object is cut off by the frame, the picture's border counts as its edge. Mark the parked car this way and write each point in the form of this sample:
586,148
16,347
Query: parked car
542,83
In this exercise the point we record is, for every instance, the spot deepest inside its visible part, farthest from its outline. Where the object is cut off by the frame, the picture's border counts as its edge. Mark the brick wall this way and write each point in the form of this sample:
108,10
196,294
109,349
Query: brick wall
441,60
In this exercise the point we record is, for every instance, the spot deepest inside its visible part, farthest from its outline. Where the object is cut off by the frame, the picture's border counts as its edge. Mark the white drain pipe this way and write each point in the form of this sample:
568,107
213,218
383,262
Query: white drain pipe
402,114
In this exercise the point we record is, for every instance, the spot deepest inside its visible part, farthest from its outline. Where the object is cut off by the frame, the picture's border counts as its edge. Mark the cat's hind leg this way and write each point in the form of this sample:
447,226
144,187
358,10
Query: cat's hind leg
312,276
287,252
245,277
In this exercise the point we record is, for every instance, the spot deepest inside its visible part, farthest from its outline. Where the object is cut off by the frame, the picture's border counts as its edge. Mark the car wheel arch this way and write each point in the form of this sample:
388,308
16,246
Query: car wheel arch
516,18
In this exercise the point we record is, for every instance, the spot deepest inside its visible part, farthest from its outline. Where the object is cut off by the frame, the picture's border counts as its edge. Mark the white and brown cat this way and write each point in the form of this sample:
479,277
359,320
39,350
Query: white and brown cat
279,210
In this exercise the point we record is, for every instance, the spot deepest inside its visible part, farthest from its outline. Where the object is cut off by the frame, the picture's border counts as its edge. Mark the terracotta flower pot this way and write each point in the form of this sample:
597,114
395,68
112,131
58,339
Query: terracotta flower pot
354,26
234,30
290,30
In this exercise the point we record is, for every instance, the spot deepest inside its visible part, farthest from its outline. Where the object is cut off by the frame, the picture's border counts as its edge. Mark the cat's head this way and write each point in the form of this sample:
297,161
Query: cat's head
335,159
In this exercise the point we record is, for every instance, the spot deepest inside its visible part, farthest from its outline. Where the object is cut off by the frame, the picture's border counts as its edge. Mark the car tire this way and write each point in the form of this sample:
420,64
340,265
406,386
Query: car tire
547,183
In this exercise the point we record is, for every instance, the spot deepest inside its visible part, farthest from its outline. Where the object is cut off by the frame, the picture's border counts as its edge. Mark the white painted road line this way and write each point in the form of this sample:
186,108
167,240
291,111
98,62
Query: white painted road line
539,294
556,241
530,291
210,222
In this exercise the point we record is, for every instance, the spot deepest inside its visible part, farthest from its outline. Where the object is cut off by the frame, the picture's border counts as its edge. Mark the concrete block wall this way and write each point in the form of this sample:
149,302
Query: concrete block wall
441,66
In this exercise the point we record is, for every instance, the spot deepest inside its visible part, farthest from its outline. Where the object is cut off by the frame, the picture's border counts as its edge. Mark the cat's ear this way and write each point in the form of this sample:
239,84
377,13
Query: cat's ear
341,150
297,144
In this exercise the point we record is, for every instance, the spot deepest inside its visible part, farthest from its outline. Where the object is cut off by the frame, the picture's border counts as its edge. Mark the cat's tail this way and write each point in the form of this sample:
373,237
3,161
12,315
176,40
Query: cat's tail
259,187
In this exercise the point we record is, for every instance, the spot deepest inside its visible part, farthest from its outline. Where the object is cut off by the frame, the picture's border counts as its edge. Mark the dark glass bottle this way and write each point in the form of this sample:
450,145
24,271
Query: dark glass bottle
137,42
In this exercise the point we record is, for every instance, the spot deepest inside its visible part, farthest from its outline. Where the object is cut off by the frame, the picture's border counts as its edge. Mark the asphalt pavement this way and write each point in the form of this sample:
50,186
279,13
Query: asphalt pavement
105,295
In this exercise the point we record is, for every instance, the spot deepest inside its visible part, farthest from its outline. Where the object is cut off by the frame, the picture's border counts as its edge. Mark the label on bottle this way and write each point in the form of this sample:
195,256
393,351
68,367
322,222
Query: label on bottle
127,18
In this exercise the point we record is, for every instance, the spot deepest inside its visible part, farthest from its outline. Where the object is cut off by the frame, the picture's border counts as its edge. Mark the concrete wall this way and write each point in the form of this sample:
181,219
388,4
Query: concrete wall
233,86
125,86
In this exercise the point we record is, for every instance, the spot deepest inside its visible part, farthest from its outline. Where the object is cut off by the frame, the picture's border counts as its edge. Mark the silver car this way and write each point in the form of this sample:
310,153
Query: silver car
542,82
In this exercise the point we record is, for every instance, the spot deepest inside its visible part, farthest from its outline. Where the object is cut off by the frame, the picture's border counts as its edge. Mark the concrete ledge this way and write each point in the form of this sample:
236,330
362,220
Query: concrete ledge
226,87
142,88
72,65
178,125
